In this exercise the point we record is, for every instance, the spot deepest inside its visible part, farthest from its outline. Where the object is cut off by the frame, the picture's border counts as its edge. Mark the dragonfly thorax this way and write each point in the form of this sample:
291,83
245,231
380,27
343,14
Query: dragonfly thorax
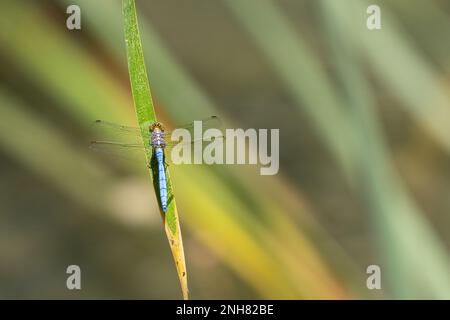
157,135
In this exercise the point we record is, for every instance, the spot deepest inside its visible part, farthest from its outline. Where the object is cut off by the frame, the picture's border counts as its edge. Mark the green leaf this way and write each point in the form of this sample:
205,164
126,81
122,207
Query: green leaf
146,114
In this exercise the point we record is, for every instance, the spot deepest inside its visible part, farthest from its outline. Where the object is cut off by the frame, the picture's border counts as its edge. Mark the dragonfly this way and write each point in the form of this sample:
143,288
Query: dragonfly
155,143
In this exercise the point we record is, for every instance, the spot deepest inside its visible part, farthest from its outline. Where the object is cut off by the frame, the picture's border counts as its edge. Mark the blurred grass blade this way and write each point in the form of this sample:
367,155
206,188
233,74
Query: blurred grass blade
400,67
304,77
71,171
146,114
301,71
429,24
401,230
47,55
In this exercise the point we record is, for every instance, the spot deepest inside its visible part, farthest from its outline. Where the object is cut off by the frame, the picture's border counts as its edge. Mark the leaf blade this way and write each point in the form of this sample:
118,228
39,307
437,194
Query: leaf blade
145,112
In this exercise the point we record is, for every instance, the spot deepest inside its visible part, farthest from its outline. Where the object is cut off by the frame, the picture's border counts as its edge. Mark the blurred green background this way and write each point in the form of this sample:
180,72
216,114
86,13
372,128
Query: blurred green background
364,119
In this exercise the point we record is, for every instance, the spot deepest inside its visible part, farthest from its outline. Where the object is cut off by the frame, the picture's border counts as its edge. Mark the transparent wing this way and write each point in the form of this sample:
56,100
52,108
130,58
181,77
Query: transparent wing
113,130
126,142
136,152
113,147
129,151
212,122
114,126
206,123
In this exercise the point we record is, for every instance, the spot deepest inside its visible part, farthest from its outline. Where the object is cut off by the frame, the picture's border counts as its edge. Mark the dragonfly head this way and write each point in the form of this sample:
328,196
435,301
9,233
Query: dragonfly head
156,126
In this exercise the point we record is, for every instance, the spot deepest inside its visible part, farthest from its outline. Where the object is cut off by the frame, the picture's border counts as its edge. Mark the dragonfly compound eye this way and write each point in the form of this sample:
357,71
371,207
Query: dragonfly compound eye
156,125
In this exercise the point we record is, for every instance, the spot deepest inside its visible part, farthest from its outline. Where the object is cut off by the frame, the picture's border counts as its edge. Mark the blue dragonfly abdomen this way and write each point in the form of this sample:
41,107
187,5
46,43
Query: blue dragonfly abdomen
162,179
158,144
